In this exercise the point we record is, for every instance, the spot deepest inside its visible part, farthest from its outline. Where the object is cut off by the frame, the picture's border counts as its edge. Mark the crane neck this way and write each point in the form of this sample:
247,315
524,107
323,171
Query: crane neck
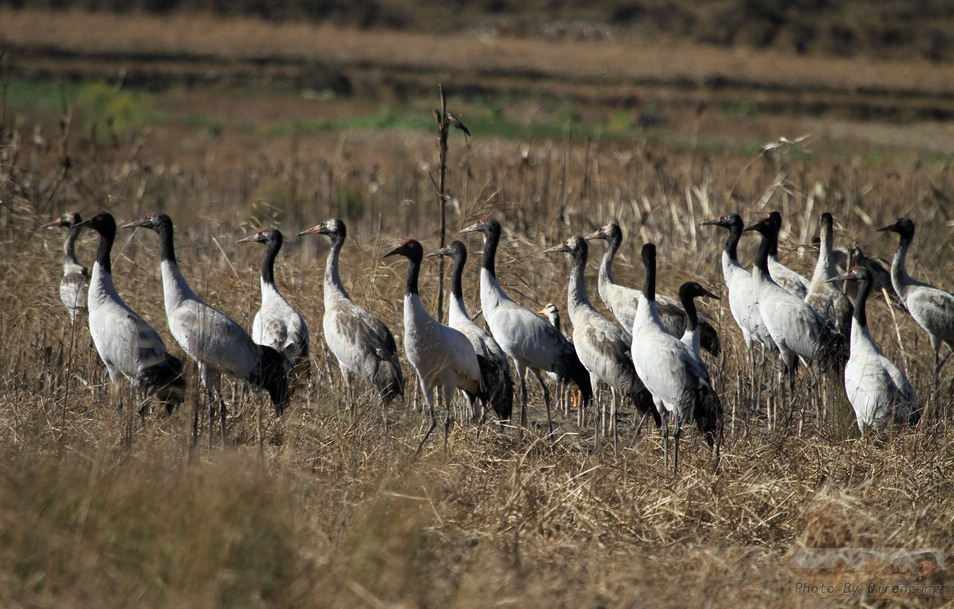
861,298
762,255
69,246
457,272
606,264
649,281
332,283
823,270
899,271
492,238
413,271
692,316
732,242
103,252
268,262
576,292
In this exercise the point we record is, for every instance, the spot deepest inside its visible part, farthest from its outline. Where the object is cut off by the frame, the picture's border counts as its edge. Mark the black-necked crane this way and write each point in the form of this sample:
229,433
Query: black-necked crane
530,341
360,342
679,384
931,307
601,345
688,292
213,340
621,300
743,302
442,356
878,390
127,344
494,367
277,324
798,331
785,277
827,300
75,283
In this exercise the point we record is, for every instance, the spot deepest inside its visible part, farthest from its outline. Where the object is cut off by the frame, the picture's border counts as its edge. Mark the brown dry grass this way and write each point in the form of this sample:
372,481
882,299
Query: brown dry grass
98,511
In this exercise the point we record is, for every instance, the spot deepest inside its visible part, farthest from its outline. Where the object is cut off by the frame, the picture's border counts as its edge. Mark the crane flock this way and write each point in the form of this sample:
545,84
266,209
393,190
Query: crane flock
653,357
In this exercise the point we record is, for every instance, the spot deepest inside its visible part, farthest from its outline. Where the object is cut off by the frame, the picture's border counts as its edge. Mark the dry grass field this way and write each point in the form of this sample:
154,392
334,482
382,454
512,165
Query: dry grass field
100,509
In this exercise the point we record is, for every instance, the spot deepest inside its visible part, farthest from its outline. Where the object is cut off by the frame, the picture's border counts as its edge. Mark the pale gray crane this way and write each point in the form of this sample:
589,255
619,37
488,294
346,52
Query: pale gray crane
785,277
532,343
442,356
215,342
827,300
494,367
878,390
127,344
277,324
360,342
75,283
679,384
601,345
743,302
931,307
796,329
621,300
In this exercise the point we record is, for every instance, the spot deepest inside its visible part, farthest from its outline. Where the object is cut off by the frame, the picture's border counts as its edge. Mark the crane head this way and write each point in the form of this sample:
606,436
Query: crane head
484,225
607,232
410,249
332,227
725,221
152,221
67,220
693,289
903,226
264,236
455,250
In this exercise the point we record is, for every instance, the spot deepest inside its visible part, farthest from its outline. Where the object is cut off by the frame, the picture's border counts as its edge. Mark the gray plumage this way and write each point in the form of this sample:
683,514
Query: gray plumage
603,348
878,390
127,344
826,299
494,367
277,324
532,343
621,300
931,307
213,340
360,342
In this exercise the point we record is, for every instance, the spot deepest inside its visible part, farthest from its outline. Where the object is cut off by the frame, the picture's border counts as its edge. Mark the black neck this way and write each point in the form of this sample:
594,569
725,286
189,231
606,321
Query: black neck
689,304
761,257
577,272
268,262
413,270
649,276
460,257
106,236
167,250
859,315
490,251
732,243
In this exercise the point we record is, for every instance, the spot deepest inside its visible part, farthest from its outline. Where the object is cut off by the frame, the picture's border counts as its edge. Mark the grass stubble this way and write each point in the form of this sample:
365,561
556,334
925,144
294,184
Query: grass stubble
99,509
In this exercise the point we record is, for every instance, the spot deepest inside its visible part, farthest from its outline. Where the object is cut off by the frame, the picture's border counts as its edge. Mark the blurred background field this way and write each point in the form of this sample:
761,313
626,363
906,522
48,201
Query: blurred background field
660,115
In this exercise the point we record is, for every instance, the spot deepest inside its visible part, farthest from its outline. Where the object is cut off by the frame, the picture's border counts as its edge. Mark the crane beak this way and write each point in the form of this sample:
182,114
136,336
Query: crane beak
317,229
712,223
136,224
53,223
84,223
248,239
395,252
595,235
473,228
559,248
709,294
441,252
843,277
889,227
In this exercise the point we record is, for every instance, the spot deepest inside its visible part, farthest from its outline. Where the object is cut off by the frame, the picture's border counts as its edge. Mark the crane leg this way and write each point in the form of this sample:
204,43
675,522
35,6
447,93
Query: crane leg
613,425
429,399
665,434
546,399
675,437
